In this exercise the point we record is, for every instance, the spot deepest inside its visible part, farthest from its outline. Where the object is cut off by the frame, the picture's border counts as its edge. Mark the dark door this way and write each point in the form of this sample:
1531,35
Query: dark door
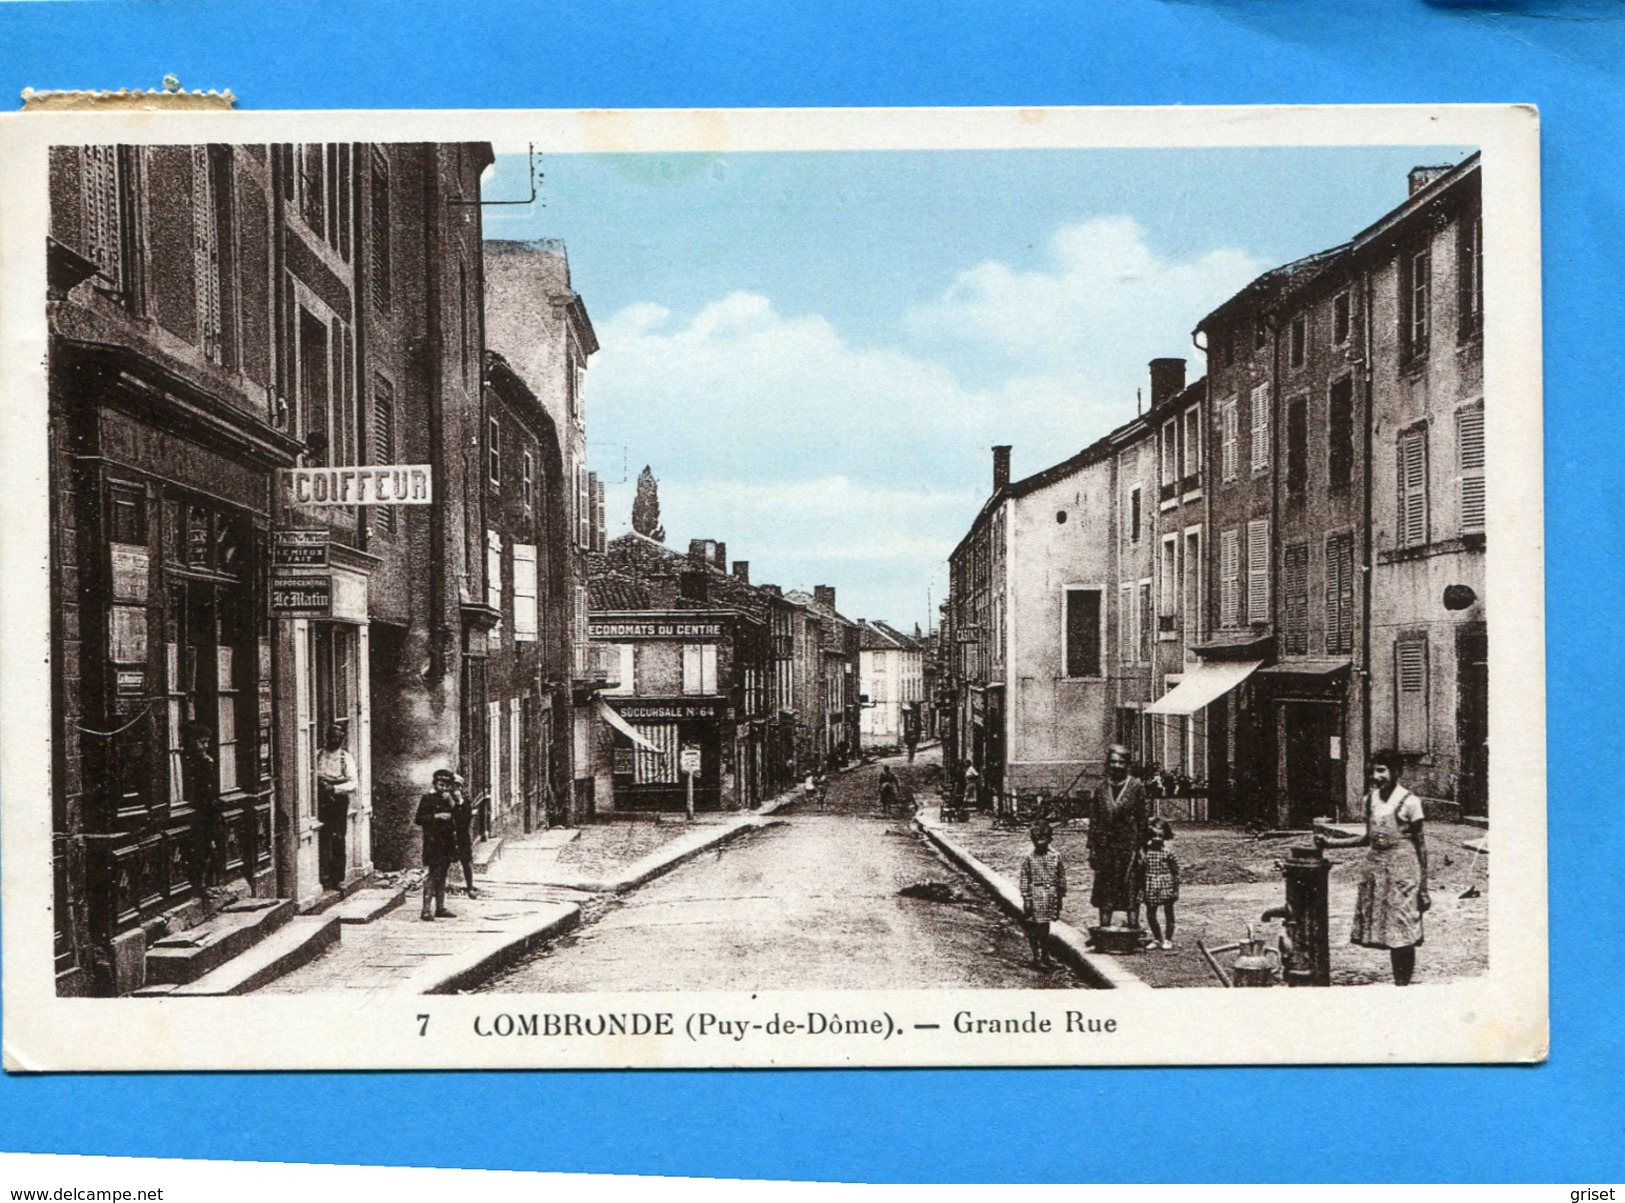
994,773
1314,779
1473,719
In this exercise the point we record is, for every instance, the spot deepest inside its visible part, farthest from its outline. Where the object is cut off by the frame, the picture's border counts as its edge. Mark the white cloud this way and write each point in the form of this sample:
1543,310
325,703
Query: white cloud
1105,305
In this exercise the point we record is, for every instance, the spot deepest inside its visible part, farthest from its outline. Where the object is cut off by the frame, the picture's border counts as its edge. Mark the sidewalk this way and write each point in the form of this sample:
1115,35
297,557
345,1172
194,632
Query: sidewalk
536,887
1229,879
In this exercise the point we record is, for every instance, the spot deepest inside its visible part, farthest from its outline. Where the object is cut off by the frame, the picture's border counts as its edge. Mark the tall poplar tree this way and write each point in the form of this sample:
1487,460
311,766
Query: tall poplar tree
646,507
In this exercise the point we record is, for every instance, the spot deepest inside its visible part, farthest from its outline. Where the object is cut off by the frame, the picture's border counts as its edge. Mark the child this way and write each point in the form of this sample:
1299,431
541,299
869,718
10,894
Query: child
1043,888
1160,882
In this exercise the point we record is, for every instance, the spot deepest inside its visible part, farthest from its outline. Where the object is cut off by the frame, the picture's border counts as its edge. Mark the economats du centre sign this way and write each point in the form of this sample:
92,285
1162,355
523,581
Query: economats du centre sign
363,484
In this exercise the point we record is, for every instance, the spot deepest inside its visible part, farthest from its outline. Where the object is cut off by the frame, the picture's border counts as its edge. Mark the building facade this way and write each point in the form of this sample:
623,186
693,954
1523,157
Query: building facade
891,682
229,330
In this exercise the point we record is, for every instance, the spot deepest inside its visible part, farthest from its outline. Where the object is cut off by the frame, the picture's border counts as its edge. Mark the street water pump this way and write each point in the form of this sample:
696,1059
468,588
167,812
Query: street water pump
1303,952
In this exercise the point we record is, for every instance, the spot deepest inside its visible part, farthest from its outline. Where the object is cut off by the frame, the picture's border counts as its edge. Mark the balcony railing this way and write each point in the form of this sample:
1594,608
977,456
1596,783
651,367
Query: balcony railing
597,665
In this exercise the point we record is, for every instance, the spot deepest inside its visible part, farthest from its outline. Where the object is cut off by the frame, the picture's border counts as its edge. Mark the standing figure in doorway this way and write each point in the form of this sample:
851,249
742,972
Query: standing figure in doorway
437,815
335,788
1117,822
1394,886
200,779
463,820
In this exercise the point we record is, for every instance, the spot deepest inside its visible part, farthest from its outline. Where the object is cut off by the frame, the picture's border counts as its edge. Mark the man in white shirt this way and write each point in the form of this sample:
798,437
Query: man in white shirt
335,787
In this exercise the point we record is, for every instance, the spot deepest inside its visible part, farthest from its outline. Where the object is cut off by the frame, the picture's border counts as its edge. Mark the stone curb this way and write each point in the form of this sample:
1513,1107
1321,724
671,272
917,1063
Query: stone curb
489,956
1101,972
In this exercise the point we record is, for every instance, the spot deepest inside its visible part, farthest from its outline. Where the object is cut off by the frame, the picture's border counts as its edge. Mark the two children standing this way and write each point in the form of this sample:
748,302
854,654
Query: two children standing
1043,887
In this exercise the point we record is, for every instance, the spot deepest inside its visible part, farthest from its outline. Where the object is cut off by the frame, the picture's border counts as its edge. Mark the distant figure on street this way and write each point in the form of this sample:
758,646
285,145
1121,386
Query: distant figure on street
888,789
911,738
463,818
973,786
200,781
1117,822
1394,887
1043,889
1159,882
438,818
335,789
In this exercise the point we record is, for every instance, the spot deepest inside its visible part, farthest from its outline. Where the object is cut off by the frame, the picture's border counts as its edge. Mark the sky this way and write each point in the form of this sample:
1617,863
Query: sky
815,352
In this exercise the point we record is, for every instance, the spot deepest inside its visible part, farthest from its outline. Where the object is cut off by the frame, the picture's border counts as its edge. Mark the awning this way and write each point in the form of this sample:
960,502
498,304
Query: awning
1305,668
1201,684
610,716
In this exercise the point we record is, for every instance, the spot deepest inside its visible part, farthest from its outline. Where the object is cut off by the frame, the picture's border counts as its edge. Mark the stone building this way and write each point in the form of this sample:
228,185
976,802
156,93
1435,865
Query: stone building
237,346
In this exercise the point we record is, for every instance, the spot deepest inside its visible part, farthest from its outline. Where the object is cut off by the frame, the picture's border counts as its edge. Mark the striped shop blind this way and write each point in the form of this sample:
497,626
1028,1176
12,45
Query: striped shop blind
656,768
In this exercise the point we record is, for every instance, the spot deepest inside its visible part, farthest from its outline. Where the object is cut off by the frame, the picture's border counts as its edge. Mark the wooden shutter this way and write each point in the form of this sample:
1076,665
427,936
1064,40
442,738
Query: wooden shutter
693,668
1126,640
1229,578
383,442
1261,427
206,253
103,235
493,570
1470,465
1295,598
1340,593
1258,571
524,592
1412,467
1231,434
583,509
379,272
1411,695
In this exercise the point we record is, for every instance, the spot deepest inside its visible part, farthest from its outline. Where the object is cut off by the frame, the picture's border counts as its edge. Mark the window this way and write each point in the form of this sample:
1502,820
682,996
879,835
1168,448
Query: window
1261,428
526,617
1083,632
383,443
699,668
1128,641
379,278
1297,446
493,452
1295,599
1261,336
1340,594
314,385
1193,449
1340,433
1191,599
1412,458
1470,468
1227,348
1415,308
1168,597
1146,623
583,509
1340,319
1229,432
626,679
1411,694
1134,514
527,478
1470,276
493,570
1298,340
1170,459
104,221
1258,570
206,242
1229,579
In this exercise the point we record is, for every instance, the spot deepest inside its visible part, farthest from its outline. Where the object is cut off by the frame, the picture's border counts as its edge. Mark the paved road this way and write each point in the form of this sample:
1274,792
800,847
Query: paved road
810,903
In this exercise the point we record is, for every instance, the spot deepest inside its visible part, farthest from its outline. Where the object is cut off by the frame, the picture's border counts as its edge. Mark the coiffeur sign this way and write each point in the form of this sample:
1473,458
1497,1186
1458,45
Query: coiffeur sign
362,484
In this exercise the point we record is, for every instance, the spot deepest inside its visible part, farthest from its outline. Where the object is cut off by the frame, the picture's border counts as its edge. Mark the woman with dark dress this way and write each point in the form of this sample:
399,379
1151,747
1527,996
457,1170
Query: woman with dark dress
1117,820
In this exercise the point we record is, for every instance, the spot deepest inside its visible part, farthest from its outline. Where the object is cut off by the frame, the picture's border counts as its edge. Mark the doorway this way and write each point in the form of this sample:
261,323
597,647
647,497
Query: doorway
1312,760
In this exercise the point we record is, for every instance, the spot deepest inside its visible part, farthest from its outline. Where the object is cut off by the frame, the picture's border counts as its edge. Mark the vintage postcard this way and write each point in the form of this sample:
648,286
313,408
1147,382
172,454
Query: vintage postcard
772,588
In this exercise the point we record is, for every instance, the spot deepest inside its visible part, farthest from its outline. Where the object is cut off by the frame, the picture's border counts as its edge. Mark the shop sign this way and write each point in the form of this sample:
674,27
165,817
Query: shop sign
295,549
131,682
689,760
360,484
621,630
299,597
130,561
670,710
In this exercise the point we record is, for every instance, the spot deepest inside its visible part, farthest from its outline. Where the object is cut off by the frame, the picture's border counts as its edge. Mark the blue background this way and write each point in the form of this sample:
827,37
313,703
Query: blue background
1564,1121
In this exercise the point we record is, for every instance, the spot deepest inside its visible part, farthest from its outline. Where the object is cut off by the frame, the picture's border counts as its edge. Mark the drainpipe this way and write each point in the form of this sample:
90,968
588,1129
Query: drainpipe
1368,436
434,354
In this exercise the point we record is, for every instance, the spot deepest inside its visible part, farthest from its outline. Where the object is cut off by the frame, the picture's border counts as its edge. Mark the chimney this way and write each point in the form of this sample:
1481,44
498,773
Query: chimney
719,553
1421,177
824,595
775,590
662,591
742,570
699,552
1001,466
1167,380
695,585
